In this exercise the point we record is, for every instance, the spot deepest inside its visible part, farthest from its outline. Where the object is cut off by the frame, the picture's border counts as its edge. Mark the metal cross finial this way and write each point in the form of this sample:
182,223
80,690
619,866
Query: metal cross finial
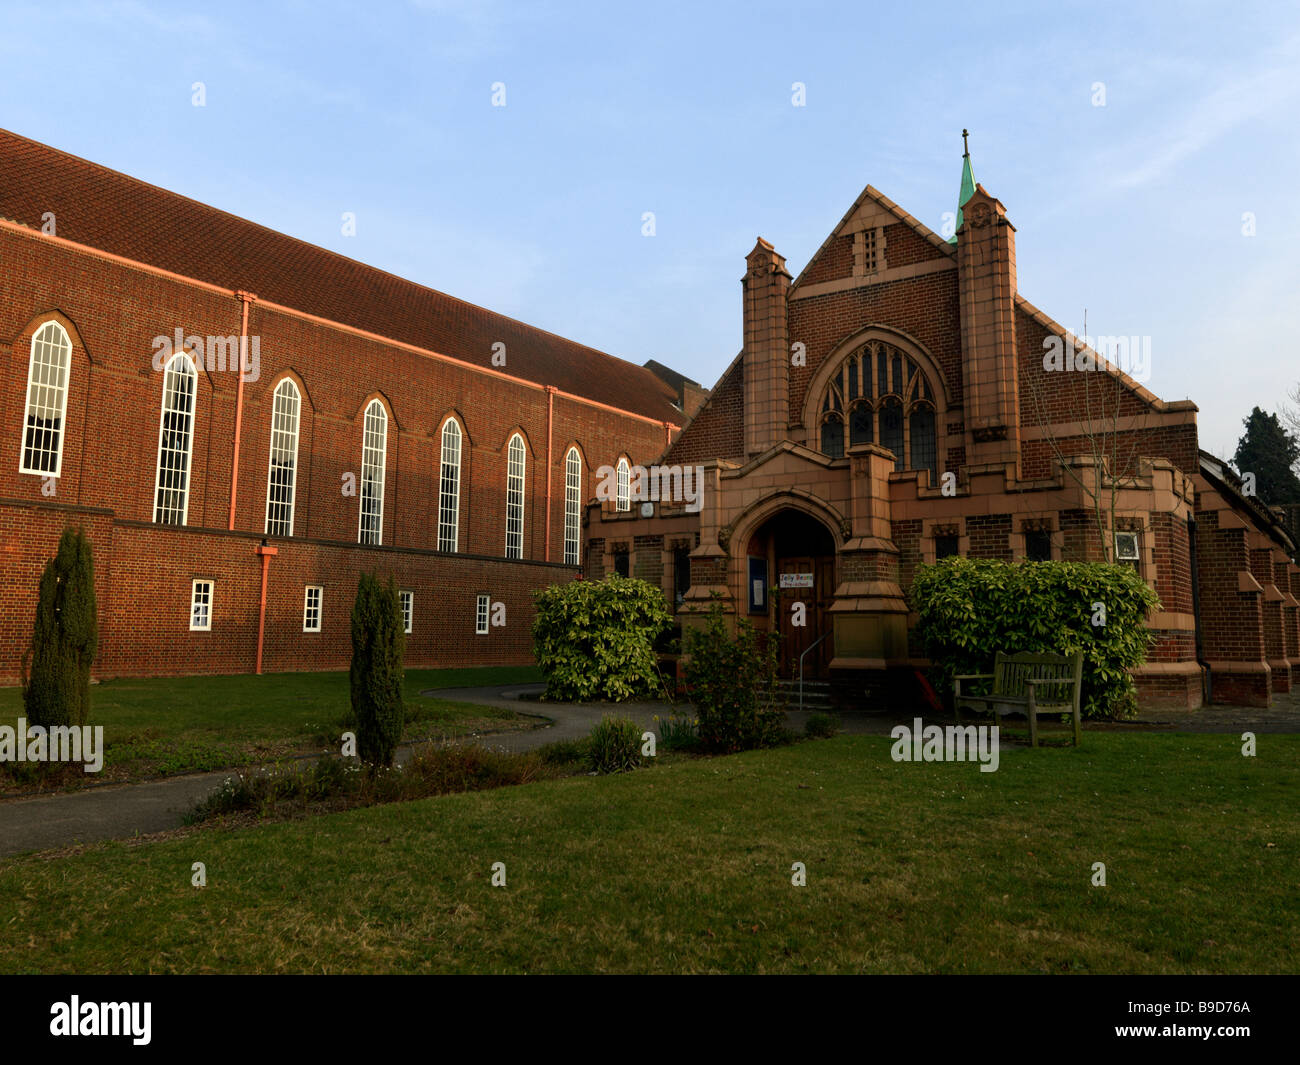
965,148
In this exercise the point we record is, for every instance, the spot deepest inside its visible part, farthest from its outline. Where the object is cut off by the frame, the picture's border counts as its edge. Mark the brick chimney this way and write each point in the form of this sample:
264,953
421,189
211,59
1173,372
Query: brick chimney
986,271
767,351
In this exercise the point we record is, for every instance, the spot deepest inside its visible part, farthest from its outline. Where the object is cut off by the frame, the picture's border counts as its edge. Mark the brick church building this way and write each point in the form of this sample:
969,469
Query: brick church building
233,498
243,423
898,402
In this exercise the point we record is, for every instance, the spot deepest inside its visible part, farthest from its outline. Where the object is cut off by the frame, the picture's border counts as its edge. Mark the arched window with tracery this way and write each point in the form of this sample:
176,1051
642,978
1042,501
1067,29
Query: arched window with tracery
879,395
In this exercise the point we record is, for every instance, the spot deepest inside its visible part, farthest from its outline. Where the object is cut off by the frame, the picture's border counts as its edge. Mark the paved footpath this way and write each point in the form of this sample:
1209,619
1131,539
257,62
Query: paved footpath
124,811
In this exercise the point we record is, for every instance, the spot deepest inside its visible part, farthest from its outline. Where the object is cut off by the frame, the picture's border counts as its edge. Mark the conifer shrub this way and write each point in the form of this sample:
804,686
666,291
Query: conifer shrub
378,647
56,667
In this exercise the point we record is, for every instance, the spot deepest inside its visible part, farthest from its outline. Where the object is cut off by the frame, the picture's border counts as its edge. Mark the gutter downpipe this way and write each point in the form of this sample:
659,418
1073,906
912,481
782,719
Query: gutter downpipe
266,553
550,416
245,298
1207,682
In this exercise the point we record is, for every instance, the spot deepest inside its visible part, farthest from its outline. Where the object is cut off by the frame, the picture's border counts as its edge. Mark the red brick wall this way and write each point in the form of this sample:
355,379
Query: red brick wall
112,312
718,430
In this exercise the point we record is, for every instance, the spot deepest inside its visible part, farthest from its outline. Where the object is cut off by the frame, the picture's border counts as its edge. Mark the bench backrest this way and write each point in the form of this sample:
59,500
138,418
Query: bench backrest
1010,672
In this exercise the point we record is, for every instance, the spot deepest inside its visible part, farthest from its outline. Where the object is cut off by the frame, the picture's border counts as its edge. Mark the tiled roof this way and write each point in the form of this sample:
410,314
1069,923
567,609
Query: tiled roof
109,211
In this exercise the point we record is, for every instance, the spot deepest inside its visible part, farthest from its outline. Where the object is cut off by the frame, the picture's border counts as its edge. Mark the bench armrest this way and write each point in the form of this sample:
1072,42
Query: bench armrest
973,676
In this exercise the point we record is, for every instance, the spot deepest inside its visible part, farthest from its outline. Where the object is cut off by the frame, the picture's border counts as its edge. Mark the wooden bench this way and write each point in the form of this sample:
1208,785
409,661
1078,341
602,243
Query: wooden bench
1028,684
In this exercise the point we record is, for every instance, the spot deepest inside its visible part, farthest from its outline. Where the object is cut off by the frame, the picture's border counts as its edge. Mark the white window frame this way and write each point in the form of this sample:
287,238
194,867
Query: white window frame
623,496
211,586
572,508
307,607
516,471
449,486
37,388
191,374
1135,559
288,439
374,459
482,609
407,599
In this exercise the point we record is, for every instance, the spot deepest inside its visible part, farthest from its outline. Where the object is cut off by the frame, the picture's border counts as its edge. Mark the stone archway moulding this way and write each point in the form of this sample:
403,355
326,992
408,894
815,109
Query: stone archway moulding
905,342
740,528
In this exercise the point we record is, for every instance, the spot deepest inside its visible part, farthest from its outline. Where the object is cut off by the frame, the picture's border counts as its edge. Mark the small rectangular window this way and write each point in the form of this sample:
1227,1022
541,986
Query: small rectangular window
408,610
481,616
1128,550
311,608
945,546
201,606
1038,546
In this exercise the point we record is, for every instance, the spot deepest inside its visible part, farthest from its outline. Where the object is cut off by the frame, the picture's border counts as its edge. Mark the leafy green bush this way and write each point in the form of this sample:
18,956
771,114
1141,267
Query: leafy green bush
56,688
822,726
615,746
732,684
595,639
971,609
378,646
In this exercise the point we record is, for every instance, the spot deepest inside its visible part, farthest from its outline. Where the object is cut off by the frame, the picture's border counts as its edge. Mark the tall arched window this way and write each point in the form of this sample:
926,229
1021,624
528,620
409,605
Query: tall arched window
175,439
921,431
891,428
281,474
860,428
47,400
374,453
515,498
572,506
449,488
833,436
623,500
883,390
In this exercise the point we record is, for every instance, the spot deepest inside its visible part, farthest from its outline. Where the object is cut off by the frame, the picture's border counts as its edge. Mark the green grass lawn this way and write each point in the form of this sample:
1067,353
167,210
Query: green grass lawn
161,725
686,867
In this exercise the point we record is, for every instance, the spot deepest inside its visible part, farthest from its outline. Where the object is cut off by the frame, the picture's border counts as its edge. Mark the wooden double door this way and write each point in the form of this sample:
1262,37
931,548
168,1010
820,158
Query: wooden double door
810,581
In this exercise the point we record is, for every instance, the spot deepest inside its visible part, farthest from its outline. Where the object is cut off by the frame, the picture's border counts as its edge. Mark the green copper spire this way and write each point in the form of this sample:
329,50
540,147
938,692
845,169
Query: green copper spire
967,184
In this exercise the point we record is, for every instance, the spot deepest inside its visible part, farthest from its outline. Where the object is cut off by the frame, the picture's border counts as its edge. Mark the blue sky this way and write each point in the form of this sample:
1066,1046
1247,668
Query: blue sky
1132,210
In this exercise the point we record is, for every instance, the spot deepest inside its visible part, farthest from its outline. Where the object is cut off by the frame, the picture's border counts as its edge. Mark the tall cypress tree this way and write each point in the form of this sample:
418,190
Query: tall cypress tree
1269,452
56,686
378,647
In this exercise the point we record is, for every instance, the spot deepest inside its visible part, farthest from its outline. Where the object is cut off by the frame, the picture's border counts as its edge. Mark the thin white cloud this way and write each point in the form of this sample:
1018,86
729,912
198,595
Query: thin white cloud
1224,109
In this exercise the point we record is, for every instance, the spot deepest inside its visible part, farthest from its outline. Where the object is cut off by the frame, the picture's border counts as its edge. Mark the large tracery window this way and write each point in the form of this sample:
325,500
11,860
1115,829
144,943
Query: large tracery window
881,396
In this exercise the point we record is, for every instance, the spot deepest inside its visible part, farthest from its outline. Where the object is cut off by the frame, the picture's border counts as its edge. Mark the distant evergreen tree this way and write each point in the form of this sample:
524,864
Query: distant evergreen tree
1268,451
56,674
378,647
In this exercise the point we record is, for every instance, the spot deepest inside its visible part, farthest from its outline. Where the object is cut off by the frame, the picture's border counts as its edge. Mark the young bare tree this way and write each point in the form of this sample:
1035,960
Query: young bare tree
1112,441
